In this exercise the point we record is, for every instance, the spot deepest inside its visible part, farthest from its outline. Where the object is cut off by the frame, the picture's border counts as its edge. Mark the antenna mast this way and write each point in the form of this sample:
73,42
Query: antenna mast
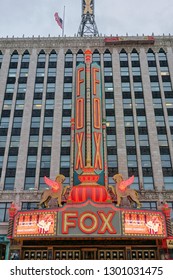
88,26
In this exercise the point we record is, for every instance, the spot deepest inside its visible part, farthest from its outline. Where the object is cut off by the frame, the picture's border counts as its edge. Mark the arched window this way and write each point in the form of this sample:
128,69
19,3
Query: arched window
53,56
96,56
123,55
26,56
41,56
79,57
14,56
134,55
150,55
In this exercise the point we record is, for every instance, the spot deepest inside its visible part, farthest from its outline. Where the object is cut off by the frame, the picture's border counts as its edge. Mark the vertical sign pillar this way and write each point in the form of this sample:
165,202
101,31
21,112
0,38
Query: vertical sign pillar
97,129
12,212
79,136
88,121
88,60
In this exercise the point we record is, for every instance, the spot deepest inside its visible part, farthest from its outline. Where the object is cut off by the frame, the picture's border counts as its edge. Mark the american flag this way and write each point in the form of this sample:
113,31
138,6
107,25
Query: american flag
58,20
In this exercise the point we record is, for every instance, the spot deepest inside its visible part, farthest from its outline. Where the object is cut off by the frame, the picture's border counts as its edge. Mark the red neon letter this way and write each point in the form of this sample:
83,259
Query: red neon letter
79,81
91,227
66,222
95,81
97,160
106,222
96,111
79,113
79,156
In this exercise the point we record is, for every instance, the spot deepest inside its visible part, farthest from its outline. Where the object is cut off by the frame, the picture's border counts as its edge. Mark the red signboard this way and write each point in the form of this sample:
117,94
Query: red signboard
127,40
143,223
35,224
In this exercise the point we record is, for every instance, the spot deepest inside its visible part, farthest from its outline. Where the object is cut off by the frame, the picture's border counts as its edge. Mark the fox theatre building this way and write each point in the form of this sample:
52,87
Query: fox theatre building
89,221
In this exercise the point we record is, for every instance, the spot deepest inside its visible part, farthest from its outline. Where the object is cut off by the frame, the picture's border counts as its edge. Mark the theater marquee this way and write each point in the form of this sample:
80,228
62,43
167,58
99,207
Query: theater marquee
89,220
143,223
40,223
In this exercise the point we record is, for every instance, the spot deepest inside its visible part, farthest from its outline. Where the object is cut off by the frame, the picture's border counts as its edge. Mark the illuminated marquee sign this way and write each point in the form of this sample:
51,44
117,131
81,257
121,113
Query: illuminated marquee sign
143,223
89,220
35,224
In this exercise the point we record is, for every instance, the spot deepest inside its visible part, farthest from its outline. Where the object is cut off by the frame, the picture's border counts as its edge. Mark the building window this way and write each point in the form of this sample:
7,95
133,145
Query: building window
47,141
9,88
45,161
4,206
1,158
131,160
4,122
40,72
112,159
29,205
110,121
65,141
31,161
14,57
170,203
79,57
168,182
41,56
151,205
1,58
29,183
9,183
148,183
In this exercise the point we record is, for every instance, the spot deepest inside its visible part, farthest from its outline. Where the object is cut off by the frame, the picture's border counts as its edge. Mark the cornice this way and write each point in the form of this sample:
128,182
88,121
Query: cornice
35,195
155,195
76,43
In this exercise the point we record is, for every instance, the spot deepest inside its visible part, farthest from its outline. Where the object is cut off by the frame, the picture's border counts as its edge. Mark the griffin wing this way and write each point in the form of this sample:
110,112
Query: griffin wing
54,186
129,181
124,184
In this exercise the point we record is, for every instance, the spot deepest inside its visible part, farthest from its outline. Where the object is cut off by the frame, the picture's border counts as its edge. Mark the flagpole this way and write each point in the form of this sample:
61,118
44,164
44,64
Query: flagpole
63,22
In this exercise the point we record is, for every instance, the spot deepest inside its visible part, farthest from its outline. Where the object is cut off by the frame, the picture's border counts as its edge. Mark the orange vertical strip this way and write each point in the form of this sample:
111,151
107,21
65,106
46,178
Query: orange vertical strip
79,80
97,113
97,160
79,156
79,113
95,81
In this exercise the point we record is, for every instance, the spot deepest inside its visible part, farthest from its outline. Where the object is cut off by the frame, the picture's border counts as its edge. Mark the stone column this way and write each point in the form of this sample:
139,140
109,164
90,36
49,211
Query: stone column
25,130
120,130
10,126
138,153
150,116
57,121
3,78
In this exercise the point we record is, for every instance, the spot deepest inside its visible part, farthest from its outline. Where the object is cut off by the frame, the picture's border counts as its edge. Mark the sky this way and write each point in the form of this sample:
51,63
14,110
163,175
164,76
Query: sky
113,17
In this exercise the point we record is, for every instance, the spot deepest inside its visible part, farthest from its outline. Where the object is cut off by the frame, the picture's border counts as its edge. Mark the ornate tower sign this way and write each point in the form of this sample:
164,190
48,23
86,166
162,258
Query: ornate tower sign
88,122
88,26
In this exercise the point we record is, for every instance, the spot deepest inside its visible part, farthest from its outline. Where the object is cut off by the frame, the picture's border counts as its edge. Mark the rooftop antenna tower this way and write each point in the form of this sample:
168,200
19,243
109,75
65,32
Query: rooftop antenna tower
88,26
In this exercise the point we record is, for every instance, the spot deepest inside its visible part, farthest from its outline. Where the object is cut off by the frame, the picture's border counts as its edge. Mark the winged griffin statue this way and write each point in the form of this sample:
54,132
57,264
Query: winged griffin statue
56,190
122,189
